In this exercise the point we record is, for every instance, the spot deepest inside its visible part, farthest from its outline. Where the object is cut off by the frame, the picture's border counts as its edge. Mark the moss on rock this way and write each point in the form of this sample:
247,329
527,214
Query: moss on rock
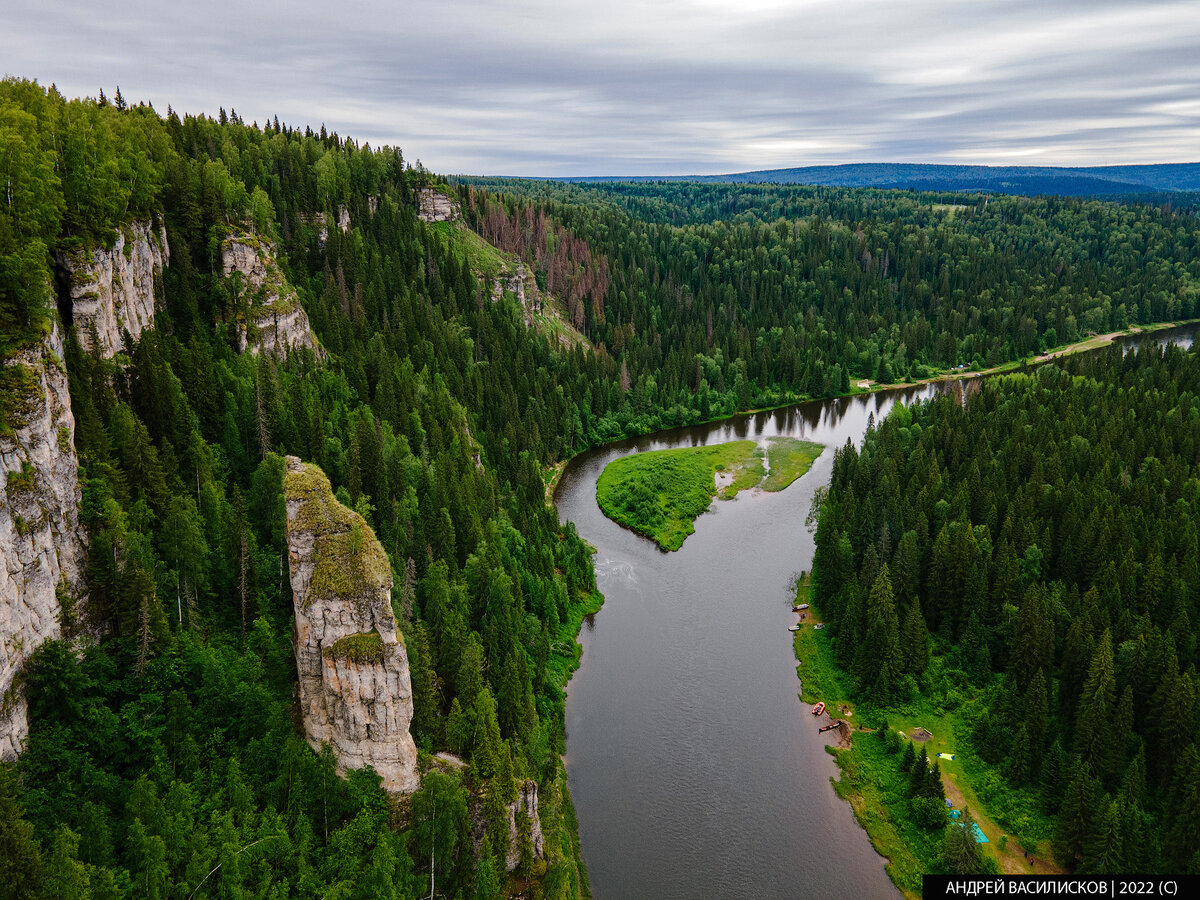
348,560
358,648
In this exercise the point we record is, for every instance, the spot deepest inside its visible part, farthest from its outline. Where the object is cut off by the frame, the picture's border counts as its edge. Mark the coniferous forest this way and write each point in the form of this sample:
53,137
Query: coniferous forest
1037,551
1044,536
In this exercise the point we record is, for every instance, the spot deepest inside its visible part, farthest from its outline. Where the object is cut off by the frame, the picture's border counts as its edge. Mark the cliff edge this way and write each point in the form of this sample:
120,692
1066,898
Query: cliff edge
113,289
41,543
272,319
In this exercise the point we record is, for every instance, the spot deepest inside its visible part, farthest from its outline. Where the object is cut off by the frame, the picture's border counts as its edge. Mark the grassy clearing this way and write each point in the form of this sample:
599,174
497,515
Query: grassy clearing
661,492
552,321
789,458
484,259
876,789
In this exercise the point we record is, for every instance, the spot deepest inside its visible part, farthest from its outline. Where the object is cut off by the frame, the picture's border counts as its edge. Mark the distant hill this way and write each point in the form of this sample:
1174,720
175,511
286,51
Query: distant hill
1030,180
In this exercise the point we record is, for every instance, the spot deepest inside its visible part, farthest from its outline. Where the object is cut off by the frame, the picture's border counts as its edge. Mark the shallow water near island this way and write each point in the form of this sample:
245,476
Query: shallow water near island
694,768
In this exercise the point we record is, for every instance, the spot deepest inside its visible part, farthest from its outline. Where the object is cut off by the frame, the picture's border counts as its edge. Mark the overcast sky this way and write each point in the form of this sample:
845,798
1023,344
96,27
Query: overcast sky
560,87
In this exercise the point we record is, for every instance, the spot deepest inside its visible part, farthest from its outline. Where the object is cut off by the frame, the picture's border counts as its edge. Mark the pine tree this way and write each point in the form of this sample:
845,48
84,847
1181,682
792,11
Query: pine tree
877,662
908,758
915,640
21,862
1075,817
1036,708
1104,851
918,774
960,853
1094,723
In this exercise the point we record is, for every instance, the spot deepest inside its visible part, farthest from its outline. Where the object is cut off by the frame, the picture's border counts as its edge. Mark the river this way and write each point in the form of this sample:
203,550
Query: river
695,769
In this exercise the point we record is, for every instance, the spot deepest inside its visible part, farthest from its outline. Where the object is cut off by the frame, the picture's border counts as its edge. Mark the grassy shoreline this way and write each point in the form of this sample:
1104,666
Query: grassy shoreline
1094,342
876,791
660,493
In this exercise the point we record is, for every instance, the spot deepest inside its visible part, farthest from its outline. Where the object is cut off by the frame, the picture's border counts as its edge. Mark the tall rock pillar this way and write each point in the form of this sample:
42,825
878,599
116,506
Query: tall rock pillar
355,689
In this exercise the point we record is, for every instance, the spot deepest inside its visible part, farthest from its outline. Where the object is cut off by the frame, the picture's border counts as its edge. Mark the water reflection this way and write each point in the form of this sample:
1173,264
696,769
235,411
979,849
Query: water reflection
694,769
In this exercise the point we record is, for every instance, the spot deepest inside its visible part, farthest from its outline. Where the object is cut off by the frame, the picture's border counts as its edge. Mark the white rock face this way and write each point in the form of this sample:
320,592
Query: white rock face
41,543
523,286
355,688
527,800
113,289
434,206
275,322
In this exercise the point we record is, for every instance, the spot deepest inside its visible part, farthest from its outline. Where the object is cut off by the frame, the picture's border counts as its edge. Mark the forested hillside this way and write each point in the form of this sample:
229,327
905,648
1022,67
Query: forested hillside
1032,562
727,296
165,754
165,759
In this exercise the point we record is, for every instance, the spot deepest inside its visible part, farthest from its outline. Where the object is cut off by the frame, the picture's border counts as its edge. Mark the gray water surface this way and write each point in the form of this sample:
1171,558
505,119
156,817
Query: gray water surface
695,770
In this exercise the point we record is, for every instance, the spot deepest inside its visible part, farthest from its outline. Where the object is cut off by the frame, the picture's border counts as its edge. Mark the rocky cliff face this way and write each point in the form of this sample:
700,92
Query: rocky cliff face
113,290
526,802
355,689
273,320
434,206
41,546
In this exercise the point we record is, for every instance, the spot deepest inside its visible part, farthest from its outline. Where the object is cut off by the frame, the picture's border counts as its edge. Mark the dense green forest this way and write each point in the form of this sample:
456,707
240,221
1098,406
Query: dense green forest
766,292
164,759
171,746
1033,558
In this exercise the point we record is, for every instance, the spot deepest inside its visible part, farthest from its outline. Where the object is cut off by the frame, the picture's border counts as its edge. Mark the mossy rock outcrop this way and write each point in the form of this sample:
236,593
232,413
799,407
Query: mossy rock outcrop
355,687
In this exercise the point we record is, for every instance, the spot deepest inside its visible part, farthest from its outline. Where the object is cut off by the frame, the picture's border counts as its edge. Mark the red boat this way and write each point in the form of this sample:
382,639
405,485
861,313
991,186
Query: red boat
819,708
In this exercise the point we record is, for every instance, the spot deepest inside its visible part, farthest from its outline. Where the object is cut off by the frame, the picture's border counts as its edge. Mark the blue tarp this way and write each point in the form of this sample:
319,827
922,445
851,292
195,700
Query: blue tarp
980,837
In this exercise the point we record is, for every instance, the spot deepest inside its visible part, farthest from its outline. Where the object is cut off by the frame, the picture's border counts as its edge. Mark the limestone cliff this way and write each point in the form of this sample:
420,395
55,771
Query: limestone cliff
434,206
113,289
41,547
271,317
355,689
527,802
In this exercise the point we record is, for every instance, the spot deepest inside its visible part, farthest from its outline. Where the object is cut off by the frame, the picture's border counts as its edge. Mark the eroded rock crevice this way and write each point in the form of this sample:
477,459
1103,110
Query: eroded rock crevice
41,542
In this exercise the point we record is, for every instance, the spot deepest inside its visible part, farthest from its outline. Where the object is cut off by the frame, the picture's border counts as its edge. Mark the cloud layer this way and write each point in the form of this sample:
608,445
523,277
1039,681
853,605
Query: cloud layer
537,87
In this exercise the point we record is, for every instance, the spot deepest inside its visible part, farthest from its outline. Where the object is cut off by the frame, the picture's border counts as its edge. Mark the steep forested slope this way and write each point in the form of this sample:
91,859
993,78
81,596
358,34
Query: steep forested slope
1046,537
750,293
169,744
307,310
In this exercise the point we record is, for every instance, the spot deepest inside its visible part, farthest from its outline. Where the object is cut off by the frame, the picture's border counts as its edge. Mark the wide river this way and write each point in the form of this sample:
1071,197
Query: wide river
695,770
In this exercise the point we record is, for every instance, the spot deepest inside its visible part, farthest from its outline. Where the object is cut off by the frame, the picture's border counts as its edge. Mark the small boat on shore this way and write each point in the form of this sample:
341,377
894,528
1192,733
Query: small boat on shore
793,628
800,607
819,708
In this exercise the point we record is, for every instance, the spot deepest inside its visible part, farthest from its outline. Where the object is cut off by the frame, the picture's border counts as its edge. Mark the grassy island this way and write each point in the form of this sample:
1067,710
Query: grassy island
661,492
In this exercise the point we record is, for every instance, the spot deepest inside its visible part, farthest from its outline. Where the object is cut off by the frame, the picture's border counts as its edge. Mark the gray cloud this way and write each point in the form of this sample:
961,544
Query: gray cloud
699,86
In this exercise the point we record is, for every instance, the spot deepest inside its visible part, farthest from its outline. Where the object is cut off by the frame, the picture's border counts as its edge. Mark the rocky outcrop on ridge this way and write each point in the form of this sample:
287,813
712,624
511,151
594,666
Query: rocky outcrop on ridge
41,543
113,289
434,206
355,687
270,317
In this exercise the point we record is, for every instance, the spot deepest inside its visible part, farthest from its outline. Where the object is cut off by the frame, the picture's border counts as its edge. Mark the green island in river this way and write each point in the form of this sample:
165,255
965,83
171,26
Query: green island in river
660,493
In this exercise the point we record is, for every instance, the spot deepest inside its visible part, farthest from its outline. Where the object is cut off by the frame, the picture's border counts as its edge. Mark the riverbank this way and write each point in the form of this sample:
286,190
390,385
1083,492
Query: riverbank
661,493
871,782
552,474
1092,342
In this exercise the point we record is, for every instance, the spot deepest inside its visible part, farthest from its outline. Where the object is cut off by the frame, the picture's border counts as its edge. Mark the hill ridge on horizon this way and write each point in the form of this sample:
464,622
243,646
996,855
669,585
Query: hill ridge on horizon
1071,180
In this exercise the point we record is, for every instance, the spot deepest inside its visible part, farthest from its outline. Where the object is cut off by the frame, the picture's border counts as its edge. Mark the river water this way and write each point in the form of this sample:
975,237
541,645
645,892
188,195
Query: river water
695,770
